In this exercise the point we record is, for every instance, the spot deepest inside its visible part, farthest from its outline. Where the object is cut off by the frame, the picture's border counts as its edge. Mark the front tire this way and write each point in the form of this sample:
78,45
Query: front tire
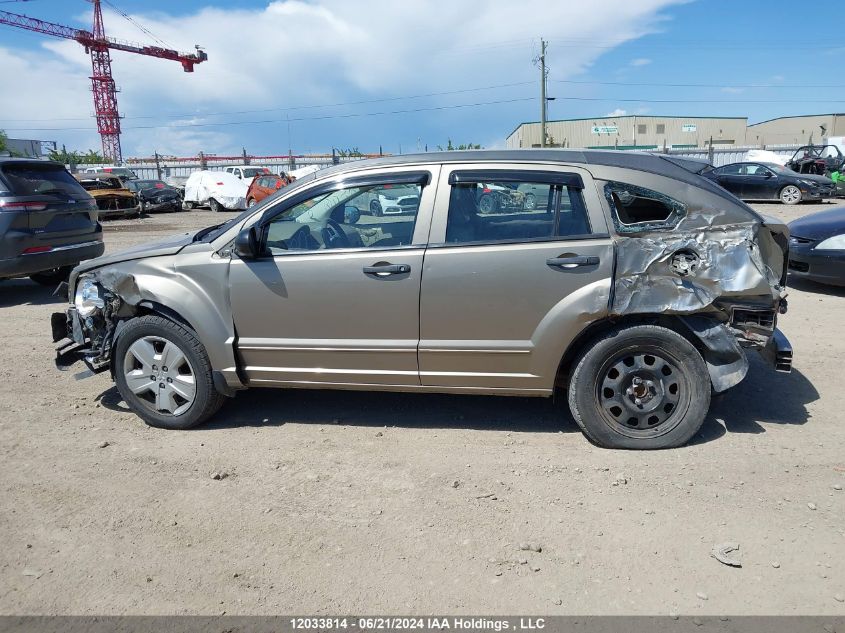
487,204
250,203
790,195
164,374
640,387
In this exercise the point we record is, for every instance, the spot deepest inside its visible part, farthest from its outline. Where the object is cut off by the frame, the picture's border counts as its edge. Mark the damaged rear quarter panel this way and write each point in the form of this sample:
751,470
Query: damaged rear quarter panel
193,284
737,256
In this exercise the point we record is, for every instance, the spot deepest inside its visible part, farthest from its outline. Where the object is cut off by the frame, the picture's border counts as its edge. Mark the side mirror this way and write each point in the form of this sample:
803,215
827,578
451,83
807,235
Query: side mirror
247,244
769,174
351,214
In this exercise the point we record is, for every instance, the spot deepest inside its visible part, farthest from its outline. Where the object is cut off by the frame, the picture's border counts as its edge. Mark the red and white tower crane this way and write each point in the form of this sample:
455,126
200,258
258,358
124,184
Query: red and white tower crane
97,44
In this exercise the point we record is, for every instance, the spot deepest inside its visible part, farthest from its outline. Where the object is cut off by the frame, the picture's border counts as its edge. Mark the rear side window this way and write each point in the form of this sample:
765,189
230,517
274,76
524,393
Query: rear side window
34,180
639,209
515,211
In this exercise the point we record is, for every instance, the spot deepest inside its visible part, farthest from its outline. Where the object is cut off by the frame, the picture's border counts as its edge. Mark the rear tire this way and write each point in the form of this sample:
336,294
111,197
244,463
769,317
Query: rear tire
52,277
250,203
215,206
143,347
640,387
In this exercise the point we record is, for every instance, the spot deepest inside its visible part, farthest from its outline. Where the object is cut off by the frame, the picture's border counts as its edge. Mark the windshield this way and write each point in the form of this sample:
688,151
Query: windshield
106,183
149,184
32,179
251,172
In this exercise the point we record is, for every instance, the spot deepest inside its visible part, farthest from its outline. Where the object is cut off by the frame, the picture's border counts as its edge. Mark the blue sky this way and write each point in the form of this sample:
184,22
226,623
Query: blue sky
333,73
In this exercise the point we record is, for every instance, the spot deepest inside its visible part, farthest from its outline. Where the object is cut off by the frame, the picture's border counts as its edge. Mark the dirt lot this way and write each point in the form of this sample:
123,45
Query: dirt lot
388,503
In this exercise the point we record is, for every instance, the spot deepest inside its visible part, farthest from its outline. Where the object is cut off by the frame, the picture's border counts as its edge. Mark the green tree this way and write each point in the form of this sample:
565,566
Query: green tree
91,157
450,147
3,139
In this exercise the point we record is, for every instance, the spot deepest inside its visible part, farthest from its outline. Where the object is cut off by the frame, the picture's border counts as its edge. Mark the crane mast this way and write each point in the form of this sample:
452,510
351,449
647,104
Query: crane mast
98,45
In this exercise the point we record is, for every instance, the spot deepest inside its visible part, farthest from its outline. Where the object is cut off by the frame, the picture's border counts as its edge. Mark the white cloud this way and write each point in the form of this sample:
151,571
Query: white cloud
640,61
294,53
733,90
617,112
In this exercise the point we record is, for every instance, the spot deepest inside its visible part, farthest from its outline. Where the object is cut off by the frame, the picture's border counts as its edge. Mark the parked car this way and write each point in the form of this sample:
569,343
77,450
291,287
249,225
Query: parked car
768,181
394,201
155,195
817,247
219,190
48,222
261,187
112,197
246,172
122,172
638,293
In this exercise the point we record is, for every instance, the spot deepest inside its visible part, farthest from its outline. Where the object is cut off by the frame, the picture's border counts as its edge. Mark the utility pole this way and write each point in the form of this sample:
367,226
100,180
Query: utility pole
542,92
158,165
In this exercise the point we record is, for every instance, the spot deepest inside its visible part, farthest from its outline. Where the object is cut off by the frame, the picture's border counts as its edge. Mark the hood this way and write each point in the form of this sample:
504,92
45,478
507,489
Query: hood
166,246
819,226
152,192
822,180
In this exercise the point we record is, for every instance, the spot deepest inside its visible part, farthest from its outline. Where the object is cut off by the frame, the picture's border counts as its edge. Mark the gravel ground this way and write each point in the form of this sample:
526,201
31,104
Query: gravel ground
340,502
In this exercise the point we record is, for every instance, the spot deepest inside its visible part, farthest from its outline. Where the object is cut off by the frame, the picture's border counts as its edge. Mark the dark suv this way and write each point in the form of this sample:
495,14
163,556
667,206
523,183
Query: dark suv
48,222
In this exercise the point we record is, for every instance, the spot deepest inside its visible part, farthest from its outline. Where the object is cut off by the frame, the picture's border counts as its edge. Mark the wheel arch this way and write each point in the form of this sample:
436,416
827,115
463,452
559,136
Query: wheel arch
726,362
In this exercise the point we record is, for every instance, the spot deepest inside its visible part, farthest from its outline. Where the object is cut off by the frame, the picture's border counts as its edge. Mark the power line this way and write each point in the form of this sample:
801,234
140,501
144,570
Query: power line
671,85
140,27
315,118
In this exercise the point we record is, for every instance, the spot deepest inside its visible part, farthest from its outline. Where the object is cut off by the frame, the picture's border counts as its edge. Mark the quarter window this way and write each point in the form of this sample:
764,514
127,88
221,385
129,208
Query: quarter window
369,216
508,211
638,209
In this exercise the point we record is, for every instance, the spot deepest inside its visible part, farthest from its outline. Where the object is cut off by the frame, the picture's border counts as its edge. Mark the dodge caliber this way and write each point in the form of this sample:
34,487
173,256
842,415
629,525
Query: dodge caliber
630,283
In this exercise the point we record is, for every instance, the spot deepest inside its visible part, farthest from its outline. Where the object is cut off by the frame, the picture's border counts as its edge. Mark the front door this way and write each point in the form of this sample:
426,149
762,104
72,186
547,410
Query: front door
760,183
335,300
507,285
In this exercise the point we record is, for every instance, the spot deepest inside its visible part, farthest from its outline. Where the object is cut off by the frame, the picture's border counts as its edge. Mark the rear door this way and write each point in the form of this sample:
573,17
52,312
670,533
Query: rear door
504,289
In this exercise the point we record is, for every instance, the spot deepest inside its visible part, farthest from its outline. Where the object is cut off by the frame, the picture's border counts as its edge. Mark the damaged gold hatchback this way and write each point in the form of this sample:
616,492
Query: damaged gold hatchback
626,280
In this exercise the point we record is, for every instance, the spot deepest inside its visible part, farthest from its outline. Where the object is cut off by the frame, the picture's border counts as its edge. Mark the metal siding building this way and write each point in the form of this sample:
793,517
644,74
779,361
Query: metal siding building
796,130
633,132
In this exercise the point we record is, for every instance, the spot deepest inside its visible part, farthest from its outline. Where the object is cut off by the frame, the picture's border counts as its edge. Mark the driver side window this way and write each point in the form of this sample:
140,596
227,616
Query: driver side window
368,216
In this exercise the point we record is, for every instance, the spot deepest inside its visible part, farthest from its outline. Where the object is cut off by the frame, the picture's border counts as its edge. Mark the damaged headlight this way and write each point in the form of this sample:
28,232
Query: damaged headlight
88,299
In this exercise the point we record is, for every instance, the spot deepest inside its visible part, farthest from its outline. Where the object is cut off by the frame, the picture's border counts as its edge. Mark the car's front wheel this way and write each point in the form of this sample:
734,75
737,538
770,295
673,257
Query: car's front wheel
640,387
790,195
250,203
164,374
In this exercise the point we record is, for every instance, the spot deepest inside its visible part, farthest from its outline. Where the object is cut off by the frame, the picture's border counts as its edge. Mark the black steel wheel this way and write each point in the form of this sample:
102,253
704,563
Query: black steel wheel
644,386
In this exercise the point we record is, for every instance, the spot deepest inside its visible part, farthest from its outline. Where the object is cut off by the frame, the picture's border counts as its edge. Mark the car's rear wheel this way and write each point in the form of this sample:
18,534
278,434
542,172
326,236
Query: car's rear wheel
790,195
51,277
529,203
640,387
375,208
215,206
487,203
190,206
164,374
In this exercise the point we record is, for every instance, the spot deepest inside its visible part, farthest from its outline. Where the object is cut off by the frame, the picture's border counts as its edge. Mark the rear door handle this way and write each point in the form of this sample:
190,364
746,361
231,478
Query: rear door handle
387,269
573,262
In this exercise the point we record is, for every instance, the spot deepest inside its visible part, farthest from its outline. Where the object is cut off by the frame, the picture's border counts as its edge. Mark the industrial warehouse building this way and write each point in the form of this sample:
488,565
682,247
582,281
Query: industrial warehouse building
633,132
796,130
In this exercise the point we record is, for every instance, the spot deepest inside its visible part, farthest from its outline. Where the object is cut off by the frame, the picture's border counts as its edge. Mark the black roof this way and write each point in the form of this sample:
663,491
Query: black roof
37,161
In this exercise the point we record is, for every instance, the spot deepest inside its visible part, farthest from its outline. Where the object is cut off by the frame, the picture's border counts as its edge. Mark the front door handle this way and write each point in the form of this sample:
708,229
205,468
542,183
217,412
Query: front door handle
573,262
387,269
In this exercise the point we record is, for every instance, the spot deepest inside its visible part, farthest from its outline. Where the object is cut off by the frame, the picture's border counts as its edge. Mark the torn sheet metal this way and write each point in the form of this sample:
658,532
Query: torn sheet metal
683,272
